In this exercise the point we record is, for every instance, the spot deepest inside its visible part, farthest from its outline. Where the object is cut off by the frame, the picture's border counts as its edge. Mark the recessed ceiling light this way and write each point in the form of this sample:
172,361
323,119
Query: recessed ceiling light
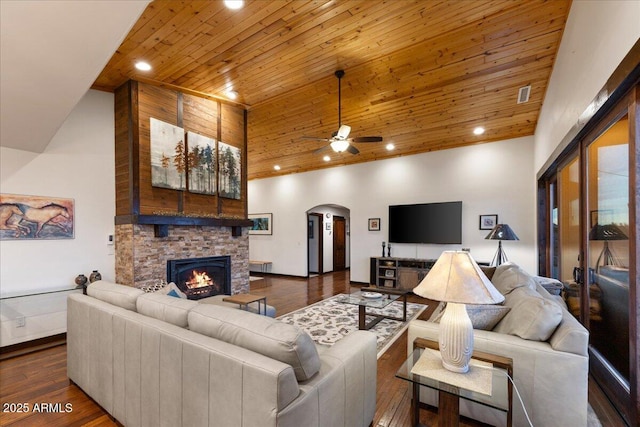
478,131
142,66
390,147
326,158
232,94
234,4
277,167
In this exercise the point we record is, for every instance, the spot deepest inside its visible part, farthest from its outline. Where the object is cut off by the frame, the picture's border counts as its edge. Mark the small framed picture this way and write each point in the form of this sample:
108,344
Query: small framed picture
388,273
261,223
487,222
374,224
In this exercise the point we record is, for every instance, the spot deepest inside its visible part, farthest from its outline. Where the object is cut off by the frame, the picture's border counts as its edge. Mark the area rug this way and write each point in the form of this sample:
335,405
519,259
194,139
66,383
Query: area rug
329,321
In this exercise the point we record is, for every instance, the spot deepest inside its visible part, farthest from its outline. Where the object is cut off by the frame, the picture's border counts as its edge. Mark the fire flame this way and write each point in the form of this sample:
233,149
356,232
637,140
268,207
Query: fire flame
199,280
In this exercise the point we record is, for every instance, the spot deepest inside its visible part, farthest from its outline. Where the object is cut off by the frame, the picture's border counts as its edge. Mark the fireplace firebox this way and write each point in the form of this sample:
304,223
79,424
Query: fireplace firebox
201,277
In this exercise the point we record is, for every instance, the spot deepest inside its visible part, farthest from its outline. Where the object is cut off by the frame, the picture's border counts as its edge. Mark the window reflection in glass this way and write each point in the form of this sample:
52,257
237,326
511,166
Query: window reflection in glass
608,246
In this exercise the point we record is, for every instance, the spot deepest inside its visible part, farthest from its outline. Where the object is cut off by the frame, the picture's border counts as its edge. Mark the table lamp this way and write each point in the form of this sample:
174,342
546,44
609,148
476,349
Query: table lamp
501,232
456,279
607,232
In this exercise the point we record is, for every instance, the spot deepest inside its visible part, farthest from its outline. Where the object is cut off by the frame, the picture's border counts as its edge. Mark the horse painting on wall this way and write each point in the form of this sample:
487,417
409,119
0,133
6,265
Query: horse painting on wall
35,217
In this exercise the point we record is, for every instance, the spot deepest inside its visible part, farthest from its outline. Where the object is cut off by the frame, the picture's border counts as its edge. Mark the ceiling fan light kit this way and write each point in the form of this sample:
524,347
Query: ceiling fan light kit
340,141
339,145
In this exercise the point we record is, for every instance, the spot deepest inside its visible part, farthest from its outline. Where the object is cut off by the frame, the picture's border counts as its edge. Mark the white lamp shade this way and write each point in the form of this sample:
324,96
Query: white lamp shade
456,277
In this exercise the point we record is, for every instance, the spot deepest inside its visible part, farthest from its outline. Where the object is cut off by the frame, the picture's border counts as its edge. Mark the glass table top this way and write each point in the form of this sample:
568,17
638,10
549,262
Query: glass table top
499,394
367,299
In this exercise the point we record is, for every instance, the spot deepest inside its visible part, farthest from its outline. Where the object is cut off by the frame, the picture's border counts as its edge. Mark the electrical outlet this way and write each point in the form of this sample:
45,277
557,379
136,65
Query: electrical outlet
20,322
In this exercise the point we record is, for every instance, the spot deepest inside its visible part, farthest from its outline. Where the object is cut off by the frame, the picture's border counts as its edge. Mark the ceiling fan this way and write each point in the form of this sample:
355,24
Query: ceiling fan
340,141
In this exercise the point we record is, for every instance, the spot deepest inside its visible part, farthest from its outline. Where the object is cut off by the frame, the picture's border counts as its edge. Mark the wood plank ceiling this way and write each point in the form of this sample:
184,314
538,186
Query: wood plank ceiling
422,74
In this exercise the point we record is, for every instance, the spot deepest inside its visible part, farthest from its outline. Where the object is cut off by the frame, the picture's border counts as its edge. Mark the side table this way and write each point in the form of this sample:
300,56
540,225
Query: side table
449,395
246,299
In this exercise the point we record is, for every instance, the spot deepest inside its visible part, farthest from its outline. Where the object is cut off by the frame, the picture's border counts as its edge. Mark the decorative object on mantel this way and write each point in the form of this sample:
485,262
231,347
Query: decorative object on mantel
262,223
168,155
374,224
456,279
35,217
95,276
383,245
501,232
389,250
487,222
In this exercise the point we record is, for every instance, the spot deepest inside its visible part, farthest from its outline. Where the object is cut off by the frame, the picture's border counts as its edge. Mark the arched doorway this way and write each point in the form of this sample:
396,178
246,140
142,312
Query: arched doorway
328,239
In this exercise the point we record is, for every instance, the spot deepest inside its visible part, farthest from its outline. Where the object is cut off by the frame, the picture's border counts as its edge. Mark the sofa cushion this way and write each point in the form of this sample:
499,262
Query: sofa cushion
270,337
119,295
553,286
166,308
510,276
532,317
483,316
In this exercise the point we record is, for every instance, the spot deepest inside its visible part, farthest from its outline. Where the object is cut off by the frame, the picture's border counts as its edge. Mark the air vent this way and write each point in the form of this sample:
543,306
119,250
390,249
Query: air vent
523,94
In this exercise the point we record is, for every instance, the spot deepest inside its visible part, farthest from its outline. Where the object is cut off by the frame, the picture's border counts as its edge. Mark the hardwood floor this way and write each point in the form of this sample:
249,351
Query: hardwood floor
39,379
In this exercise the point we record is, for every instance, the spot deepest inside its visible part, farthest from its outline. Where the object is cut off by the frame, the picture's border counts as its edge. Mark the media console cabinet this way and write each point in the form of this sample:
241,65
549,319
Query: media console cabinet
399,273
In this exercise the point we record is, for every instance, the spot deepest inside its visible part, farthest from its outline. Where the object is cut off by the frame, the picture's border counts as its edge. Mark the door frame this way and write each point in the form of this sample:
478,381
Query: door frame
320,242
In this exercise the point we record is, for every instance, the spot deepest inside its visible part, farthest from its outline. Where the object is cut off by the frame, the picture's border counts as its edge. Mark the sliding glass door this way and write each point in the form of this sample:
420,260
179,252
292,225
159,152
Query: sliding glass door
566,233
608,245
588,217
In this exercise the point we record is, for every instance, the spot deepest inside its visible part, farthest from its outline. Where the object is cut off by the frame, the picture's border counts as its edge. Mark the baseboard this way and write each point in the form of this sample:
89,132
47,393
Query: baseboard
15,350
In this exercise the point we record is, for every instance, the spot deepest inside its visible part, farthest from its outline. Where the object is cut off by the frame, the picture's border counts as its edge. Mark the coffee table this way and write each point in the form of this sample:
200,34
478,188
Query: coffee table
388,296
246,299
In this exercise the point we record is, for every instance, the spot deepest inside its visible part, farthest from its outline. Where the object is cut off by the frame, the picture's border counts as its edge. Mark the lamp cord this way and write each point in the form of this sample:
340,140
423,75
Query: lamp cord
519,398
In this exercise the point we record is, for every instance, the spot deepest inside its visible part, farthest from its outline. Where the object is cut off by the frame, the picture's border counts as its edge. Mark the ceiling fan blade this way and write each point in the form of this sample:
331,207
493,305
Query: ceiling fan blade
368,139
314,138
352,149
322,149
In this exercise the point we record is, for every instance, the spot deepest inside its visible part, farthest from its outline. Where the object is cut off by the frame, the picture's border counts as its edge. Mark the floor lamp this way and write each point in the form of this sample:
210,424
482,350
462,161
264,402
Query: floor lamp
501,232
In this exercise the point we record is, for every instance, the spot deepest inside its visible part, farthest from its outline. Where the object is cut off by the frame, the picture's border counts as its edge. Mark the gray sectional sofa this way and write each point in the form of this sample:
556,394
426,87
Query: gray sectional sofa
548,347
156,360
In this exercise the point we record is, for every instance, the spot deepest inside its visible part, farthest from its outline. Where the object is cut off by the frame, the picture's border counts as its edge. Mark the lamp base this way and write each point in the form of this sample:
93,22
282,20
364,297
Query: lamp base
500,257
456,338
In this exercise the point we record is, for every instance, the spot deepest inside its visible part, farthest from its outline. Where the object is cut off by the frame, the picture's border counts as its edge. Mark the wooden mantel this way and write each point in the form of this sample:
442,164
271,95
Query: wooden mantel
161,223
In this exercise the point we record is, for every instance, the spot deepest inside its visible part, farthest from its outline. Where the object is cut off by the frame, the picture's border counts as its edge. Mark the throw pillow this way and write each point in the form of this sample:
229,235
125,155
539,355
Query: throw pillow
553,286
510,276
173,287
173,293
483,317
532,317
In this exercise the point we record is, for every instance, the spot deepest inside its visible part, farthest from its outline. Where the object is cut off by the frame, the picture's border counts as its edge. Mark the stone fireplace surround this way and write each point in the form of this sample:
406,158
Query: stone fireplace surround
141,257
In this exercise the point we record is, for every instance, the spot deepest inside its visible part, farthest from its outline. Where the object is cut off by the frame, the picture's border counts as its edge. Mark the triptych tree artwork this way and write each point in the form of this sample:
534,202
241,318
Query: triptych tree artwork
192,163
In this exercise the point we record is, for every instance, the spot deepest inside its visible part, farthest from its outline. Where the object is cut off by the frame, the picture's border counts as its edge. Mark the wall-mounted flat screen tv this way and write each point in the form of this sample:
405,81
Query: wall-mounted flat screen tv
439,223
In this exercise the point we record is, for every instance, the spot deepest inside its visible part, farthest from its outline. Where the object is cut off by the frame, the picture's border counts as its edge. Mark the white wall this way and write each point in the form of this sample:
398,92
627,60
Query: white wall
597,36
78,163
492,178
